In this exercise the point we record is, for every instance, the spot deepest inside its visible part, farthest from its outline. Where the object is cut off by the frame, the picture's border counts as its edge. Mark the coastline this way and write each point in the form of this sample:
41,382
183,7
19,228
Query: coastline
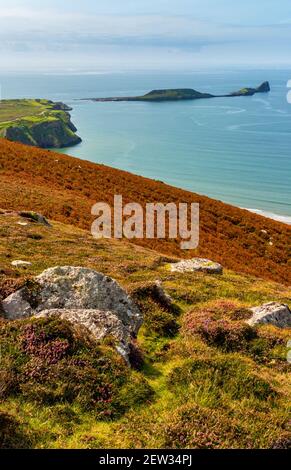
285,219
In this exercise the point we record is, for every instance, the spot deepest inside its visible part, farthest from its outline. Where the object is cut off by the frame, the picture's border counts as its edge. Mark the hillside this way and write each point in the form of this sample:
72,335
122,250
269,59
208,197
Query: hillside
229,388
200,377
64,188
40,123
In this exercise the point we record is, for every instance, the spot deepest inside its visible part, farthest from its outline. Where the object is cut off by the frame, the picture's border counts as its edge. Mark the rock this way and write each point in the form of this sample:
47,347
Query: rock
18,263
263,88
164,298
197,264
99,323
272,313
35,217
15,306
70,287
30,215
59,106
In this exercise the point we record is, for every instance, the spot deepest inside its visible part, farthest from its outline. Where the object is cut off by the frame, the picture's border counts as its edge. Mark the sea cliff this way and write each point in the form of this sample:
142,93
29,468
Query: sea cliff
39,123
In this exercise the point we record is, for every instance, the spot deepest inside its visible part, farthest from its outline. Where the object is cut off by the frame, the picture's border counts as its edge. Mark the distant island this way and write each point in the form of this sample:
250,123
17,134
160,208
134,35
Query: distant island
178,94
37,122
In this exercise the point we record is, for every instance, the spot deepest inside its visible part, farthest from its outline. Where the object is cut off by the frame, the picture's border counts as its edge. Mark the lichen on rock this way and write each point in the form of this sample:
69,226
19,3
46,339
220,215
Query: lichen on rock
197,264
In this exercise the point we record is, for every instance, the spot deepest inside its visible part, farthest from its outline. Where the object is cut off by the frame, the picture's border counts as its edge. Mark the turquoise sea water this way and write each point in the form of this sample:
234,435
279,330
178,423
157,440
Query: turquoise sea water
234,149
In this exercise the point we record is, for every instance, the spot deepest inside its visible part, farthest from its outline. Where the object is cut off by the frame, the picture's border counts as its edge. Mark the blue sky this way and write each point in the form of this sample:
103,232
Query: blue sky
119,35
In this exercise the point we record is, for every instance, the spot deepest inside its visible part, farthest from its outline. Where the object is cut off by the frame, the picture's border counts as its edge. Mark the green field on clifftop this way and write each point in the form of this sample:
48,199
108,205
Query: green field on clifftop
12,111
37,122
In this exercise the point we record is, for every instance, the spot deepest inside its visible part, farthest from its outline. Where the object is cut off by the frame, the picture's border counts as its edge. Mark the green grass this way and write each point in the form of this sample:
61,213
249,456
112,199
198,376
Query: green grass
172,94
189,392
18,110
24,114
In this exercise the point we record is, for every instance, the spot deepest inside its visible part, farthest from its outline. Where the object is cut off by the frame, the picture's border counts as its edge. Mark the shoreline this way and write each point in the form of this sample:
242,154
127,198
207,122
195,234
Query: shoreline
285,219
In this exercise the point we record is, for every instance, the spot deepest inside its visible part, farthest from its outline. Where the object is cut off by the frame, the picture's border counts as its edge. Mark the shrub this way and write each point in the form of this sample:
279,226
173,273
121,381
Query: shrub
161,323
157,319
270,345
247,251
49,361
283,442
192,426
223,333
218,326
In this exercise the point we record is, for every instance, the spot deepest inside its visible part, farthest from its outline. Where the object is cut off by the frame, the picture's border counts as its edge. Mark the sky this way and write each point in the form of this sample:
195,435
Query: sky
121,35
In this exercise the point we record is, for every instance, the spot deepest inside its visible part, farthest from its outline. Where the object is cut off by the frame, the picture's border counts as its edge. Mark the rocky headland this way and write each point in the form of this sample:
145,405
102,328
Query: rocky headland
179,94
39,123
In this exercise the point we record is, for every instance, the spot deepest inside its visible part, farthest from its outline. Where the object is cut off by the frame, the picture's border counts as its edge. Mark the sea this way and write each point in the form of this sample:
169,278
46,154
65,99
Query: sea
237,150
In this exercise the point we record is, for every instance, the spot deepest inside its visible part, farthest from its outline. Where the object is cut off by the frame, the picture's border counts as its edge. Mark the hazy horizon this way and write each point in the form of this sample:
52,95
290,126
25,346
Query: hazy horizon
114,36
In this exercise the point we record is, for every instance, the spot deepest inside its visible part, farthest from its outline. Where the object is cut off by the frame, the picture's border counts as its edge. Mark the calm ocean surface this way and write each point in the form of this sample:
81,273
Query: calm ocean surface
234,149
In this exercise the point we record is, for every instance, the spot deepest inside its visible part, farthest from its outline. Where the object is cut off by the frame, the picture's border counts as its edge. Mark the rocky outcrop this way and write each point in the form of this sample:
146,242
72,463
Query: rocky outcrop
35,217
59,106
55,133
81,296
50,127
272,313
197,264
69,287
32,216
99,323
263,88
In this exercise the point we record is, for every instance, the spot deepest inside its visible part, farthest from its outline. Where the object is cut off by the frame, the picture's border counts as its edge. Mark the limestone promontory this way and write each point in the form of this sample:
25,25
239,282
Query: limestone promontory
178,94
40,123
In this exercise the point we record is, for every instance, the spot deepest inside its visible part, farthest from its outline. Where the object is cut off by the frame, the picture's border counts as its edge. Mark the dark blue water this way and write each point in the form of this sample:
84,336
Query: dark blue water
234,149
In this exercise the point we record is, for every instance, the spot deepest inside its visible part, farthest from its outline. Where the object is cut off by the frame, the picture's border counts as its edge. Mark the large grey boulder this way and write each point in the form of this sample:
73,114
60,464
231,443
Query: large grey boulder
272,313
70,287
197,264
99,323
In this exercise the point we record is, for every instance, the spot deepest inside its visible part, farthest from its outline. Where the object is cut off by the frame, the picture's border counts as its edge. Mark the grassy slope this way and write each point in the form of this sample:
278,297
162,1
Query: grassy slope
12,111
65,188
239,399
173,94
